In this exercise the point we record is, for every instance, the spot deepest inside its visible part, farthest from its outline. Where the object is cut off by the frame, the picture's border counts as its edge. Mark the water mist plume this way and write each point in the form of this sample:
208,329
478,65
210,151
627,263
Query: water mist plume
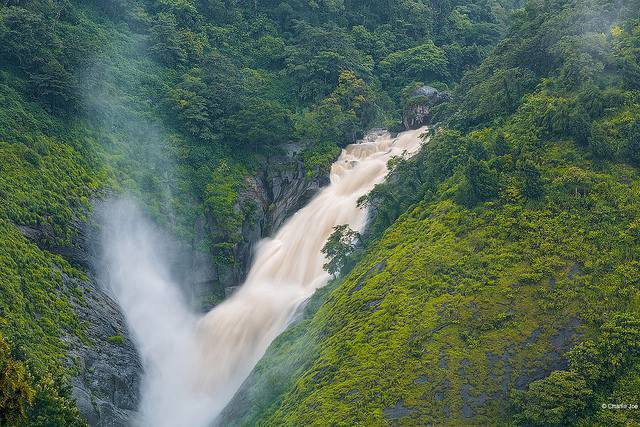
193,366
161,322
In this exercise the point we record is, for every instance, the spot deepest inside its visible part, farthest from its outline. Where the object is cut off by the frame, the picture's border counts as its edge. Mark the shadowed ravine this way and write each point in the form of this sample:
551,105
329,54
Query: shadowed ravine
193,366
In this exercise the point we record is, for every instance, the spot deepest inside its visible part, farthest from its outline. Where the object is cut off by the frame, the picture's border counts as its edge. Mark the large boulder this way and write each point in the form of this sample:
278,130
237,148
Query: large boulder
419,105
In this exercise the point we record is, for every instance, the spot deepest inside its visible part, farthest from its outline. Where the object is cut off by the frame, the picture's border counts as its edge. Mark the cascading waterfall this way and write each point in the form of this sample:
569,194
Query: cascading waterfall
193,366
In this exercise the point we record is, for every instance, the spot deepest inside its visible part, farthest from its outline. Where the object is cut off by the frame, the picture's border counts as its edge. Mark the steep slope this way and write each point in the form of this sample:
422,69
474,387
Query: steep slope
197,109
506,288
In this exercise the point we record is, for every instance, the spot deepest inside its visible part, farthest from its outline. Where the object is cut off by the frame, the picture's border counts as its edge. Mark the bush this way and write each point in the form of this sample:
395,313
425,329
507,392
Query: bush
555,400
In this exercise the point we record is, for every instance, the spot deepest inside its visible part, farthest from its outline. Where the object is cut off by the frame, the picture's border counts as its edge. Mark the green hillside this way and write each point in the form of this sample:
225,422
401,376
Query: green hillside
177,103
506,289
498,281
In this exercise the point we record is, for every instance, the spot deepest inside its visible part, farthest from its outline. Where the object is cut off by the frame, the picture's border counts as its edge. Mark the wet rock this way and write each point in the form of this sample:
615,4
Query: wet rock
562,341
469,402
279,189
419,106
534,336
421,379
576,270
397,412
106,387
377,268
75,251
463,364
374,303
442,362
230,291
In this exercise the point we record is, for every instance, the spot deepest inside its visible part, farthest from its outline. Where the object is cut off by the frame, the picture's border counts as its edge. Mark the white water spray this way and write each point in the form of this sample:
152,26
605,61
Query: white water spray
194,366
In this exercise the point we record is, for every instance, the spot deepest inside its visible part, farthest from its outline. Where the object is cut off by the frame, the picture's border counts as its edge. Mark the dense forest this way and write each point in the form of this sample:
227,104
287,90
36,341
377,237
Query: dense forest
498,279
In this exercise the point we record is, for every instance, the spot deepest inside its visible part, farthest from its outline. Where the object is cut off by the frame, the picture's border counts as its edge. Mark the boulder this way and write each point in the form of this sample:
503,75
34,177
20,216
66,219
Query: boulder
419,106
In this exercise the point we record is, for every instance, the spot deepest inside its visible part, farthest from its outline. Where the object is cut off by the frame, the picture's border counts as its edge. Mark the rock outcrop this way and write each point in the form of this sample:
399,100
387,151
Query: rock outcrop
419,105
106,387
105,361
279,189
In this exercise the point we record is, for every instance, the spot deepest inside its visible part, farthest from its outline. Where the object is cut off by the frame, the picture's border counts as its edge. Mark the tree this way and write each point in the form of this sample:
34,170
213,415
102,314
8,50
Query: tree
602,145
269,52
570,120
632,145
500,145
555,400
339,248
479,183
320,56
16,393
54,86
221,198
342,116
532,185
26,38
424,63
166,41
52,405
191,107
260,124
598,369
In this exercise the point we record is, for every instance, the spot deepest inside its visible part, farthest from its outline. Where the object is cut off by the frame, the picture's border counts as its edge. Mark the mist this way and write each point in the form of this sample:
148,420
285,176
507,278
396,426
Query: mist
136,258
194,364
142,262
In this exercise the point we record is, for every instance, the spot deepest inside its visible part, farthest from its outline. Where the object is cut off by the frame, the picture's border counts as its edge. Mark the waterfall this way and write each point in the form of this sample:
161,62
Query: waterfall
193,366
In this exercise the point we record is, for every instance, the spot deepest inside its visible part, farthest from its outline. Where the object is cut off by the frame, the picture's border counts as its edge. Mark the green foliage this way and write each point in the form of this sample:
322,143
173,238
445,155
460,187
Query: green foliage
533,187
260,124
16,393
599,371
471,288
499,283
23,401
229,83
116,339
520,215
221,204
479,183
341,117
52,405
557,400
423,63
166,41
319,158
339,248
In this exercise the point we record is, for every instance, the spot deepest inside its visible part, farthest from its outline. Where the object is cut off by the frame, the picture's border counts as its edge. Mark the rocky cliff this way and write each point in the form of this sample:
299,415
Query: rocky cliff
419,105
279,188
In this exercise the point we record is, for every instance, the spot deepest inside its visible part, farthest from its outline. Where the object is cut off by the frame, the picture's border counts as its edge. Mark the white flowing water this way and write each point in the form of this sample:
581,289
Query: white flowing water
193,366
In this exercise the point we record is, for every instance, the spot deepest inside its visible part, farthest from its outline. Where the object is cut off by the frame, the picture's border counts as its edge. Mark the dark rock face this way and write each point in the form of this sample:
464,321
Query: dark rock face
421,101
433,95
106,387
397,412
273,194
76,253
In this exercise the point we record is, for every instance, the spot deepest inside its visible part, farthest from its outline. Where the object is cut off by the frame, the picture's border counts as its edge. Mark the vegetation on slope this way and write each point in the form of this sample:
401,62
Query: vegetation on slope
500,283
177,102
